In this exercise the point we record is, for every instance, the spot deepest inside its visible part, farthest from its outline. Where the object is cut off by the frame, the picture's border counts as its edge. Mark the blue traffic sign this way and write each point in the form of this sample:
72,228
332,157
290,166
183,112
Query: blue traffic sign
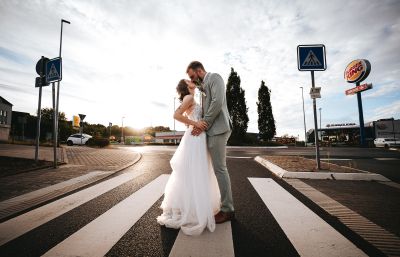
53,70
311,57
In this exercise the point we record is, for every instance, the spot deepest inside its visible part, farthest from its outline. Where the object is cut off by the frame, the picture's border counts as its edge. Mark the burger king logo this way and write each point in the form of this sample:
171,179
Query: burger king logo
357,71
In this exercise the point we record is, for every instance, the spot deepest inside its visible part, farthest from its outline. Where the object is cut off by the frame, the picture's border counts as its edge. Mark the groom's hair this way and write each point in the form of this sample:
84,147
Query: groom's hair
194,66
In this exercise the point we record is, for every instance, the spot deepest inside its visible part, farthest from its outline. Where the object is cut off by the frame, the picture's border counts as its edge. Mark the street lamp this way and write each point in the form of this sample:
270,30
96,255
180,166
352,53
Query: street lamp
58,83
304,118
122,133
174,122
320,127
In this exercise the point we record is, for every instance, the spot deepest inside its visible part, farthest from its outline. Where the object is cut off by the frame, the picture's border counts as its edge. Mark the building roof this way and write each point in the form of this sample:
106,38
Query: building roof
4,101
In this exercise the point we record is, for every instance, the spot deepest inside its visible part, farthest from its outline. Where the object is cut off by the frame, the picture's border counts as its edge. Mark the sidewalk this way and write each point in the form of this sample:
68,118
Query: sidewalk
84,165
369,207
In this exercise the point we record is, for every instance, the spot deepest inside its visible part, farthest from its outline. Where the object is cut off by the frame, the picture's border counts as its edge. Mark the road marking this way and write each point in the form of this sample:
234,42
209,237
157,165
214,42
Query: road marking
216,244
382,239
239,157
100,235
19,225
387,159
21,202
309,234
333,159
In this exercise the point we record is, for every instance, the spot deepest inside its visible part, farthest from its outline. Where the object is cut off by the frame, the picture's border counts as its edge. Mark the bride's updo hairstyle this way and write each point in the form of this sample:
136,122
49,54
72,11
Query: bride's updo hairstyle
182,89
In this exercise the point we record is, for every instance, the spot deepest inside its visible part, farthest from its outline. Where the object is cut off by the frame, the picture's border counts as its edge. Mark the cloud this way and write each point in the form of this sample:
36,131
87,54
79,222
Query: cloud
126,57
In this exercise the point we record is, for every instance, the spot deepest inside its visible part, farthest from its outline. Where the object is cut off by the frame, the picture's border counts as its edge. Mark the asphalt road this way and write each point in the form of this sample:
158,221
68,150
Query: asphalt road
255,230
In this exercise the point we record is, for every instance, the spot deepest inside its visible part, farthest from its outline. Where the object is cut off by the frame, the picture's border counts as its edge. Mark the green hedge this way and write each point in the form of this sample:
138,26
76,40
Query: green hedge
99,142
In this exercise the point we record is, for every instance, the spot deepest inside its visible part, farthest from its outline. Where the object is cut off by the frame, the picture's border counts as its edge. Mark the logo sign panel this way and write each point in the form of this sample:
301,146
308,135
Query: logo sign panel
311,57
357,71
53,70
359,88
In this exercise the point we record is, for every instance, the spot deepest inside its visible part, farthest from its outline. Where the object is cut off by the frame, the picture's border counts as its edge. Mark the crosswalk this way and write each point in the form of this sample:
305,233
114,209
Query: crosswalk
309,234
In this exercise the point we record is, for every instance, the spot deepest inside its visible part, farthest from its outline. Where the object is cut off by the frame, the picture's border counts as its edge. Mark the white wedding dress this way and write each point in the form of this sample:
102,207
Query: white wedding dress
192,196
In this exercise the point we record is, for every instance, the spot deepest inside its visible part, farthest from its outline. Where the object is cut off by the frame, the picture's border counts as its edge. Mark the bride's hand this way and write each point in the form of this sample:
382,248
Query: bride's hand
201,124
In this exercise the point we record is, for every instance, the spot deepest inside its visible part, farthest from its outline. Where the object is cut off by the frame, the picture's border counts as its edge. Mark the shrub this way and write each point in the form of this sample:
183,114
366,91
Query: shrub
98,141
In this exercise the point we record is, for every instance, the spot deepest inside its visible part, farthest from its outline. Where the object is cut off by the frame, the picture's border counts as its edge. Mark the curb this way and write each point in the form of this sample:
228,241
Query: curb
15,208
282,173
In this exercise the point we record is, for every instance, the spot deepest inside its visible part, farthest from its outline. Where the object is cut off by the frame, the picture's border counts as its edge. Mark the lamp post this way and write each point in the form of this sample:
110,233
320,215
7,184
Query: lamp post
122,132
58,83
304,119
320,127
174,122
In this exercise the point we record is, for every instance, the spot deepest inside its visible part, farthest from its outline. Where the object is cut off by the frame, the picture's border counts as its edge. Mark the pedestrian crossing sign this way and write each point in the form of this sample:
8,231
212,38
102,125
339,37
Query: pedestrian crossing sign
53,70
311,57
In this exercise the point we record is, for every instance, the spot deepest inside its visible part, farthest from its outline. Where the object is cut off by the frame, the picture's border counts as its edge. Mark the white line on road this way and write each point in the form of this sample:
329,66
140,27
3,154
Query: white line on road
43,191
100,235
19,225
334,159
309,234
387,159
216,244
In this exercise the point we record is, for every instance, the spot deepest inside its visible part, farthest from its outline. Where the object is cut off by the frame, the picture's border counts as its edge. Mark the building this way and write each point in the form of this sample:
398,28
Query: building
169,137
349,133
5,119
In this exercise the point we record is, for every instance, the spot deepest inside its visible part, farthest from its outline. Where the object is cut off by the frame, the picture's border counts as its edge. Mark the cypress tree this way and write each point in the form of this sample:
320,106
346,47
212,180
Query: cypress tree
266,122
235,97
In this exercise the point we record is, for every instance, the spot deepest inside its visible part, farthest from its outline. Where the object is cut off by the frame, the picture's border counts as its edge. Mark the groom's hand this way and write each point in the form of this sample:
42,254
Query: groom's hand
196,131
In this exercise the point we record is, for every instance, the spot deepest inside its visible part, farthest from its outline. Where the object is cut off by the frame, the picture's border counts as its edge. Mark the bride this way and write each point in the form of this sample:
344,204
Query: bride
192,195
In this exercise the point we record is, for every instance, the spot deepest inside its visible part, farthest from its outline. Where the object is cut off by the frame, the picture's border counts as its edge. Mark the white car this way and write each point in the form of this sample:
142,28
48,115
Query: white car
386,142
77,139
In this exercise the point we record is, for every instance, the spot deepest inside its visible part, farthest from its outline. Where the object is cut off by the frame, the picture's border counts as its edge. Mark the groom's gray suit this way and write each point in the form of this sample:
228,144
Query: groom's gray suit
219,129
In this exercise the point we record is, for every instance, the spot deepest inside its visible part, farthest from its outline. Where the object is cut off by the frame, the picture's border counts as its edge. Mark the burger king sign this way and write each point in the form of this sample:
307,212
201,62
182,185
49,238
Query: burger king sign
357,71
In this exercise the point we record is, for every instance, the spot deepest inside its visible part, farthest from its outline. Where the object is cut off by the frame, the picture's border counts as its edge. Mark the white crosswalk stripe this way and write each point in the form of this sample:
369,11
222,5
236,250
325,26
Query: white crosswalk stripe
22,224
309,234
100,235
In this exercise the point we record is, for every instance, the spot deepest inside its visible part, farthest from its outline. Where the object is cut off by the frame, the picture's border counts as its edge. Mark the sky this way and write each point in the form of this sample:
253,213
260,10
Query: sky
125,58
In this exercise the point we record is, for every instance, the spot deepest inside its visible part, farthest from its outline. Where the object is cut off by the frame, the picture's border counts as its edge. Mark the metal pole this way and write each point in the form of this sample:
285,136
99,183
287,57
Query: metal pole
174,124
122,133
54,125
58,83
38,125
315,125
304,119
320,126
361,117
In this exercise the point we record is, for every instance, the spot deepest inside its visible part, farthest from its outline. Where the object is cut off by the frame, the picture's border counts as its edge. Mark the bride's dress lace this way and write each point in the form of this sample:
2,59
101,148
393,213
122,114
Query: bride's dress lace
192,195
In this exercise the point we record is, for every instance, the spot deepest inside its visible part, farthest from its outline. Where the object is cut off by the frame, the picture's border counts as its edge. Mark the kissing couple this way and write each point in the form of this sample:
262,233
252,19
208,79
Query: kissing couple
198,193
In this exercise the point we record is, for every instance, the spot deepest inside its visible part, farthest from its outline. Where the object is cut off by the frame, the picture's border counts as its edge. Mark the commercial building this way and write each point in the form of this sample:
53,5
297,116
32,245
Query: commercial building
349,133
5,119
169,137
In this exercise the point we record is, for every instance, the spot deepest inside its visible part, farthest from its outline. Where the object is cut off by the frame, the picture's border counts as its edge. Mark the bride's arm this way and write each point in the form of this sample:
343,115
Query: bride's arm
188,100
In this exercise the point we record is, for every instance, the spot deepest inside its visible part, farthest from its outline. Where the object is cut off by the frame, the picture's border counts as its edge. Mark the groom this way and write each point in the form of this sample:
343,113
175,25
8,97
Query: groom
217,123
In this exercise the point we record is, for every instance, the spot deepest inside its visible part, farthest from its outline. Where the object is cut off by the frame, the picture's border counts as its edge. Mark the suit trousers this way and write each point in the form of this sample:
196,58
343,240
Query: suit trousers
217,148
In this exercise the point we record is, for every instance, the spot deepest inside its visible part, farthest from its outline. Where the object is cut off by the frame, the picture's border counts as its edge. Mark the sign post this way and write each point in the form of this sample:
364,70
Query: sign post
312,58
81,116
53,74
40,82
355,72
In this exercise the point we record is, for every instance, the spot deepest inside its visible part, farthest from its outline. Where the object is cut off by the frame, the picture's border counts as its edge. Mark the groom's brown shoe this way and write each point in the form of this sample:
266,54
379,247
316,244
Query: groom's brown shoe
222,217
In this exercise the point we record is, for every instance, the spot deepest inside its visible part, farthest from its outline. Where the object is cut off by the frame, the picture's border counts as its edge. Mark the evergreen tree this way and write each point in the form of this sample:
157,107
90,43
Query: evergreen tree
266,122
235,97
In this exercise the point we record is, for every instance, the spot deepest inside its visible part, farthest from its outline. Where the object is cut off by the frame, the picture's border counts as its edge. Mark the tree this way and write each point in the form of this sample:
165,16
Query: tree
235,97
266,122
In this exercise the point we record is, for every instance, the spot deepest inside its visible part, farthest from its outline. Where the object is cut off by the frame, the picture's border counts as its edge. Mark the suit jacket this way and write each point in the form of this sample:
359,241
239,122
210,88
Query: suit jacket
215,109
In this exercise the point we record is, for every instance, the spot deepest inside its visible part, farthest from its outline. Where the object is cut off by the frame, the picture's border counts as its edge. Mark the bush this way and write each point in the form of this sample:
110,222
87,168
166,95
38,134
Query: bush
98,141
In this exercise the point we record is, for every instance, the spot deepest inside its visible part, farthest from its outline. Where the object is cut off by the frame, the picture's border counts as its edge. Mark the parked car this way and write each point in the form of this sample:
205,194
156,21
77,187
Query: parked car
386,142
78,139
